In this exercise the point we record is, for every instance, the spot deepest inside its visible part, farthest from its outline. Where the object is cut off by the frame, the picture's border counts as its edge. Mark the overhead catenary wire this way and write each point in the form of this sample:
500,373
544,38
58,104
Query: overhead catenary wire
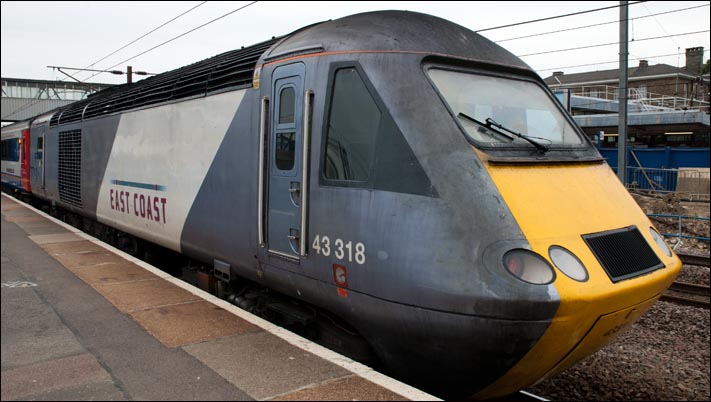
613,61
35,101
608,44
554,17
662,27
599,24
481,30
143,36
181,35
32,102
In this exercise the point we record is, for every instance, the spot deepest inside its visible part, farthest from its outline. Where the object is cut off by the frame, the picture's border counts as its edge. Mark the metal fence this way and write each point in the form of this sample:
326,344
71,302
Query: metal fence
690,183
680,228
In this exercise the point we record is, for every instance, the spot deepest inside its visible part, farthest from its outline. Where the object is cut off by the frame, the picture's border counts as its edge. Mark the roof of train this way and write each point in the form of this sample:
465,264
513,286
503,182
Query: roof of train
14,129
395,31
378,31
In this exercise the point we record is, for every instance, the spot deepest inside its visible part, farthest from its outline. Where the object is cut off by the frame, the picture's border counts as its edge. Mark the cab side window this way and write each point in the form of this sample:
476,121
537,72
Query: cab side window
353,124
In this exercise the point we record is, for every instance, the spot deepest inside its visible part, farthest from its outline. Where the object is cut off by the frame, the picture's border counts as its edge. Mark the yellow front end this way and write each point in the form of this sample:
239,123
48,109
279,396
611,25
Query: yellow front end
556,205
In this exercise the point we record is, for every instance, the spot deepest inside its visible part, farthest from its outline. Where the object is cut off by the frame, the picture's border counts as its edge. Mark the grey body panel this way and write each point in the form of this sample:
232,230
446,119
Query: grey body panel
441,351
222,223
97,138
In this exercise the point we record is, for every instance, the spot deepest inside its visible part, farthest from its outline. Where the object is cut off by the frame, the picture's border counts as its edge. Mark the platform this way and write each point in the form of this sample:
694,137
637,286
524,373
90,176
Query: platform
84,321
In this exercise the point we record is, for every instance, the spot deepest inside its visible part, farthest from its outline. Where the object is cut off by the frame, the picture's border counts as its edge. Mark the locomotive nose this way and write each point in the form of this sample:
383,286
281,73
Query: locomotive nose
608,267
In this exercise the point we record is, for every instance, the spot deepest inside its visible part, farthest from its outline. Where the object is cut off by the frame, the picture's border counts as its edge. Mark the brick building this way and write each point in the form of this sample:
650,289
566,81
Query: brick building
667,106
658,86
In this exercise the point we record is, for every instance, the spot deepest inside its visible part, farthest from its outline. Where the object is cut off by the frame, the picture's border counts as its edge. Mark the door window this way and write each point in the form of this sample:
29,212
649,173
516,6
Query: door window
285,141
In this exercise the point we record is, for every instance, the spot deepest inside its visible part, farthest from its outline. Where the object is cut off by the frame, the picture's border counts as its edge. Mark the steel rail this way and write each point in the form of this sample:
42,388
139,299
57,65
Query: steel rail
691,259
688,294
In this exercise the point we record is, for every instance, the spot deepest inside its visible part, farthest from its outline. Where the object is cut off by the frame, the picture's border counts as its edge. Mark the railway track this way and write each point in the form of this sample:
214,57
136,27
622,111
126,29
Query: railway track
690,259
688,294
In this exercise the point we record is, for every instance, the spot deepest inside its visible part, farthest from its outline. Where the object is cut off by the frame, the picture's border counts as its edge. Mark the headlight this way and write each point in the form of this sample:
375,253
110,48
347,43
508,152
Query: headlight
568,263
529,267
660,242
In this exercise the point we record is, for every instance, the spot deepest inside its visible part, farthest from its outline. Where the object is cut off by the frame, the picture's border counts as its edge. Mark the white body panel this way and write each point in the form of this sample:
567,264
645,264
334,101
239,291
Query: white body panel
158,162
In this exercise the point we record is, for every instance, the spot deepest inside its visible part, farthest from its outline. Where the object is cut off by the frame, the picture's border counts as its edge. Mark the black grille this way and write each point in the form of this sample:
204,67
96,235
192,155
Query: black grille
70,167
623,253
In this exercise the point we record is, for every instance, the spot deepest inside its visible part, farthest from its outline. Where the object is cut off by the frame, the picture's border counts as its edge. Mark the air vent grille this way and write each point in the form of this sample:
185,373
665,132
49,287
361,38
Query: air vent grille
70,167
623,253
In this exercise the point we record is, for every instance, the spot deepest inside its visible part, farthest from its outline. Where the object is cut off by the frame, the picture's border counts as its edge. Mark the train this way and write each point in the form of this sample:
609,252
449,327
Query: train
402,175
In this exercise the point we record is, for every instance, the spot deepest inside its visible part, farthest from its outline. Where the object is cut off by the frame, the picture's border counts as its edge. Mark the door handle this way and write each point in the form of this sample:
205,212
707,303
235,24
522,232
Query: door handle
294,240
295,193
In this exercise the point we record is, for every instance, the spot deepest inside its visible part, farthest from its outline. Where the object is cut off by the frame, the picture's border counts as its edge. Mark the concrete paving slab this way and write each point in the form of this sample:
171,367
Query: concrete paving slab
263,365
112,273
82,259
74,247
52,375
342,390
16,212
101,391
28,224
9,271
183,324
57,238
41,228
133,296
31,331
16,219
10,205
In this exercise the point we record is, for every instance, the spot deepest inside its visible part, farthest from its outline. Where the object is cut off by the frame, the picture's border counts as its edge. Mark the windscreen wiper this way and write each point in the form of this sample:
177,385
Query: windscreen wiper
538,145
486,125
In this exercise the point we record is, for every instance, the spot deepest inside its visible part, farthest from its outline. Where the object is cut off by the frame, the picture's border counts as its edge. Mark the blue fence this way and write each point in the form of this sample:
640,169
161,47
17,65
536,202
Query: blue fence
658,171
661,158
662,180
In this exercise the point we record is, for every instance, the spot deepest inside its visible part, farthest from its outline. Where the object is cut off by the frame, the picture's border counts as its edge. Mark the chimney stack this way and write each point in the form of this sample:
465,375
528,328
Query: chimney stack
557,73
643,64
694,60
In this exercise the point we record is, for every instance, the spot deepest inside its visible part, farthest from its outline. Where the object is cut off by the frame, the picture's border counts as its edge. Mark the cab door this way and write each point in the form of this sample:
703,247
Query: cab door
285,187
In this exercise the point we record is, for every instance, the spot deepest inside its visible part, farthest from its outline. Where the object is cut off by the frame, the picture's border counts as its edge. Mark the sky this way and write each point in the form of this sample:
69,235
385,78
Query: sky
80,34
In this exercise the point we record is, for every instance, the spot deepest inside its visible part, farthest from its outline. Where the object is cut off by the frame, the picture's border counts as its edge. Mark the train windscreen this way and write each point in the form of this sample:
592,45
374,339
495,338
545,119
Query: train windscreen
496,110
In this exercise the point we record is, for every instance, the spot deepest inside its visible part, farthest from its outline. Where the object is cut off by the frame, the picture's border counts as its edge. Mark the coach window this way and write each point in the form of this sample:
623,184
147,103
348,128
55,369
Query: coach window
11,150
285,146
353,124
